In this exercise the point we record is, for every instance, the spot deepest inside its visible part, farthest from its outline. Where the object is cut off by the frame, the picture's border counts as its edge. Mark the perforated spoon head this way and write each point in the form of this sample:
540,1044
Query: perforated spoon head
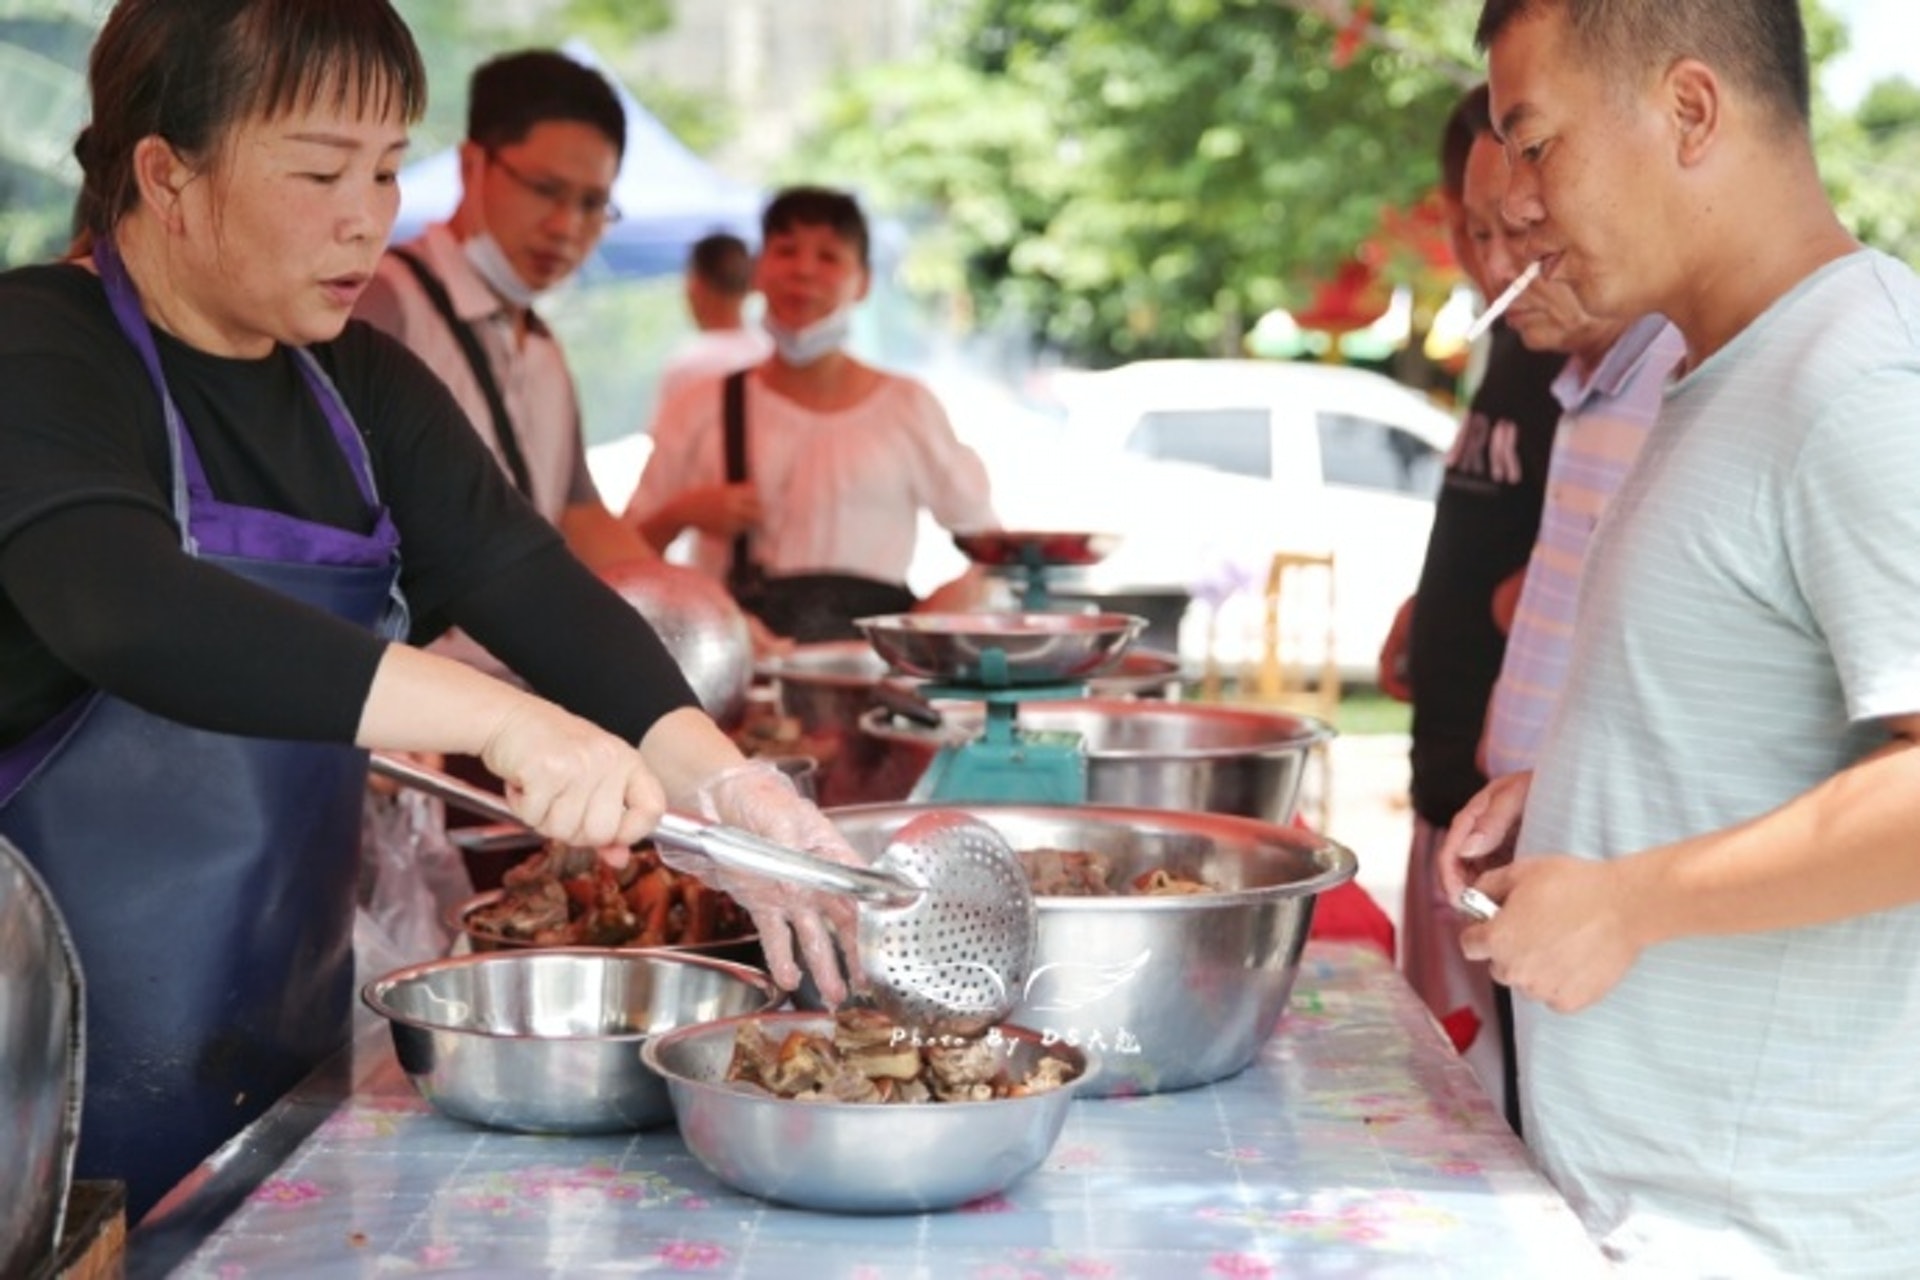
955,962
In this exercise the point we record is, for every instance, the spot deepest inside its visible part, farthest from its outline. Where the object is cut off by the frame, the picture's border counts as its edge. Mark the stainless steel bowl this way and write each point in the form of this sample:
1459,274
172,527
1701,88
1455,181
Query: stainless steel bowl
1001,649
1154,755
702,627
852,1157
549,1041
1168,992
828,686
42,1063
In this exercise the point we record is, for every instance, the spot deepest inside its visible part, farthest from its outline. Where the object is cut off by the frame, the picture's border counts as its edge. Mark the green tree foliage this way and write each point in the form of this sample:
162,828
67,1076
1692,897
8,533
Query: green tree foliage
1147,177
43,50
1144,177
43,54
455,36
1870,156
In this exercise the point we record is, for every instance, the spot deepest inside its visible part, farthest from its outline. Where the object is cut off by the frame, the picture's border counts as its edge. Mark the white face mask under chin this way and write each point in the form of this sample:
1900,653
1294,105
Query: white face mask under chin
490,260
801,347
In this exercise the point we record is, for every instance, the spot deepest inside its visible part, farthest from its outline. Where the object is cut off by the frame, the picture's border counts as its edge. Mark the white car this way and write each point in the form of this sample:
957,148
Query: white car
1206,468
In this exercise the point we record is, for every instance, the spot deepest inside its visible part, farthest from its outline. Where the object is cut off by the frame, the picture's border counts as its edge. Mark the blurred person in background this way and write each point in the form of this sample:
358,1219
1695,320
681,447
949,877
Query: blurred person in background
1610,393
718,282
545,135
802,479
543,145
1444,651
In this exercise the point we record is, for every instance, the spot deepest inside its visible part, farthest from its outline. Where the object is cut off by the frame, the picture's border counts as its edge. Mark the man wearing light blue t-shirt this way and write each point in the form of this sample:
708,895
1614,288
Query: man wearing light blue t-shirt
1712,916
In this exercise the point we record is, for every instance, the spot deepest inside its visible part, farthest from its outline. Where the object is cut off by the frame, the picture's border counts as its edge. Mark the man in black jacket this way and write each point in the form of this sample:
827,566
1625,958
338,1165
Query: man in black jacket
1444,652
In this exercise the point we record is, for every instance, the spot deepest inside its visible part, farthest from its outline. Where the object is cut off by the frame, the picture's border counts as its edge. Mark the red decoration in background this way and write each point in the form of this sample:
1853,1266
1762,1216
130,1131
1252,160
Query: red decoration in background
1411,247
1353,299
1417,236
1347,43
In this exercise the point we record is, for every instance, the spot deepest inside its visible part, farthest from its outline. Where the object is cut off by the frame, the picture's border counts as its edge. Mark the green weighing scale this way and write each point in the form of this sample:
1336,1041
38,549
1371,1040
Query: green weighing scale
1000,661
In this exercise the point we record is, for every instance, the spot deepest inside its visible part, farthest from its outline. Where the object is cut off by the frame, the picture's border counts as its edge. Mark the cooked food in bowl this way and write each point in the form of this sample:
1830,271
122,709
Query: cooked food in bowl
869,1058
1169,990
562,897
1085,873
549,1041
854,1157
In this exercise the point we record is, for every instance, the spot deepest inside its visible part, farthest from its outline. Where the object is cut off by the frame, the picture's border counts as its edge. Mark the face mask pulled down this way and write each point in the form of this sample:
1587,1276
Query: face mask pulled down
804,346
486,256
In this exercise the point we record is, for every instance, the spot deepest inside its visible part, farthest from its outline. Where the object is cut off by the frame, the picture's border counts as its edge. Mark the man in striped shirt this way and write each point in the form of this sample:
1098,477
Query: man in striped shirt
1610,390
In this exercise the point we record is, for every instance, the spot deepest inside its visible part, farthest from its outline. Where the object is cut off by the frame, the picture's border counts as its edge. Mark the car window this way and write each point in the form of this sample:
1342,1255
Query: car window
1364,454
1237,441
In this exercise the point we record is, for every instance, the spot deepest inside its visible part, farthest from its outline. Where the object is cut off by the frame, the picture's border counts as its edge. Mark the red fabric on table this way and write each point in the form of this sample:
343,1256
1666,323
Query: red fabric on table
1348,913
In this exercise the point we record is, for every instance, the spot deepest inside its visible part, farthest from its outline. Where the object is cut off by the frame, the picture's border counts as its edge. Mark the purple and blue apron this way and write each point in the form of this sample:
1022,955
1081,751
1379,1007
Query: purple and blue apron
208,879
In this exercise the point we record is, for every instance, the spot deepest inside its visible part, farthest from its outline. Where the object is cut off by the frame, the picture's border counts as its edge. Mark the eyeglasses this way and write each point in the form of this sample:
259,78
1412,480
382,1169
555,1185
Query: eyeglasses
592,206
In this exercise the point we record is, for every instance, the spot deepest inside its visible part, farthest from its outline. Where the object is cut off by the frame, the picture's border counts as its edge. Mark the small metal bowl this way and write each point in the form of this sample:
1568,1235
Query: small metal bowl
548,1041
844,1157
998,650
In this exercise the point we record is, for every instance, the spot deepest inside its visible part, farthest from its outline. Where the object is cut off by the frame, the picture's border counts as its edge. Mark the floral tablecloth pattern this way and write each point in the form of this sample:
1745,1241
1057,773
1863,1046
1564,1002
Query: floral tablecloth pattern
1357,1145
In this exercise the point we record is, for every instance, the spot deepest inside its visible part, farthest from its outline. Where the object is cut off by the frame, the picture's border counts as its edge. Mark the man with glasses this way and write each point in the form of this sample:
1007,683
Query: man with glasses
544,140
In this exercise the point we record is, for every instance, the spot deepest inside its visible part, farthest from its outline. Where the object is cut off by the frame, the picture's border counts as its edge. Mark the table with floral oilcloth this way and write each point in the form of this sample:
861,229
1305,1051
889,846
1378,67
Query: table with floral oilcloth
1358,1144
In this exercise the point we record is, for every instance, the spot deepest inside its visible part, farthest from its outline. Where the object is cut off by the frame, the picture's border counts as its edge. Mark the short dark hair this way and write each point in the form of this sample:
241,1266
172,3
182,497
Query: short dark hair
515,92
190,72
722,262
817,207
1759,45
1471,116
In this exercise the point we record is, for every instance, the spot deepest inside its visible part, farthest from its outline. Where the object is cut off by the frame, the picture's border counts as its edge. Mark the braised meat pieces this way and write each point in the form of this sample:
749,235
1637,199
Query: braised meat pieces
871,1059
563,896
1082,873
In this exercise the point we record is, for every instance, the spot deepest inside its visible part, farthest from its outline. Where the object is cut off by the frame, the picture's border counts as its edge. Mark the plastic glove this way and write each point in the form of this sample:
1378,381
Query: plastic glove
758,797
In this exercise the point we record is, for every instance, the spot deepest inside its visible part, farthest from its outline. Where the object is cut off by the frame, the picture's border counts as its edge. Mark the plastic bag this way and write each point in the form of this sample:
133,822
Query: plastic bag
410,876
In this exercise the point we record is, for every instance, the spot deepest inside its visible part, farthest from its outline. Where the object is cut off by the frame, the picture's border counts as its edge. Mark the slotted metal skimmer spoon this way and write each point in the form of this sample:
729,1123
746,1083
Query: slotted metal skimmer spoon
956,962
946,914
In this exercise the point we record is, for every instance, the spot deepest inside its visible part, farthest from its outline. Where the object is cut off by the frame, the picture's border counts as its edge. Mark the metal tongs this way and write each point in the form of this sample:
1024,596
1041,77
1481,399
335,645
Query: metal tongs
946,918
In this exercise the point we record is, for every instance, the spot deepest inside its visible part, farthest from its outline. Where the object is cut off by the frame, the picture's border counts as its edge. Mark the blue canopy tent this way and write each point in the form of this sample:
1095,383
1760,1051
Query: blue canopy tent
668,196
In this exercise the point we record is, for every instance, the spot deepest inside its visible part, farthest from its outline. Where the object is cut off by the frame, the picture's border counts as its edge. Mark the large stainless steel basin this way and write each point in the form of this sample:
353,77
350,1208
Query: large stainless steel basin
1168,992
1192,757
828,687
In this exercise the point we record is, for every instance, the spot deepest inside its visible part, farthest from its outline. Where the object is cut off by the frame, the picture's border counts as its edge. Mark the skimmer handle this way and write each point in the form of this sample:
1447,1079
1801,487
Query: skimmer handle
458,792
730,846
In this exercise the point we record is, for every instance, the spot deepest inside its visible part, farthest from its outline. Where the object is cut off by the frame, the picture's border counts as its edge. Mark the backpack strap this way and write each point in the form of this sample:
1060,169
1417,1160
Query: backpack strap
436,291
742,572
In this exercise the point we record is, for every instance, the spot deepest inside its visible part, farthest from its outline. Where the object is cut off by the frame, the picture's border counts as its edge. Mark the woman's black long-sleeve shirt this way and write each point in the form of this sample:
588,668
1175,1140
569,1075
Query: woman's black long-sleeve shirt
95,590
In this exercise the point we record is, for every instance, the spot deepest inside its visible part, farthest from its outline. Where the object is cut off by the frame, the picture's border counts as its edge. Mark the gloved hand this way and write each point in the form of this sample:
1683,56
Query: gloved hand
757,797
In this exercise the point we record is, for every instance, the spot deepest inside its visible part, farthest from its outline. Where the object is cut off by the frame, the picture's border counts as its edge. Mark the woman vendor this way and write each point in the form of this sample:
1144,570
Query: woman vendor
227,517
